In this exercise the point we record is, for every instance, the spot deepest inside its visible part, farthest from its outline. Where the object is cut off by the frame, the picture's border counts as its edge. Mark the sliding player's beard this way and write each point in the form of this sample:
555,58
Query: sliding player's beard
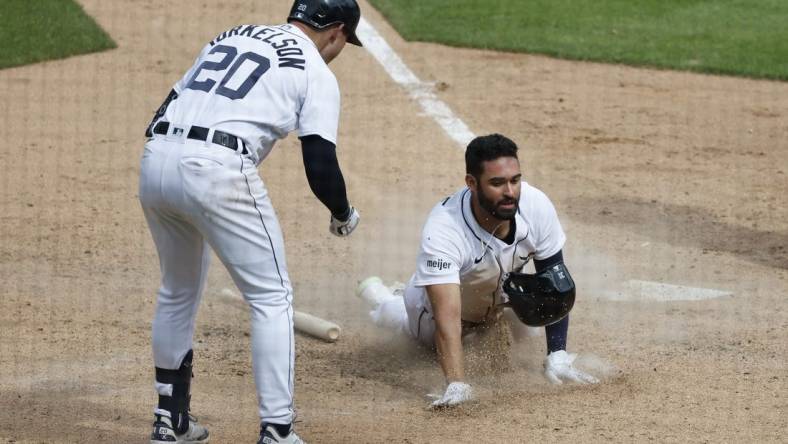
496,209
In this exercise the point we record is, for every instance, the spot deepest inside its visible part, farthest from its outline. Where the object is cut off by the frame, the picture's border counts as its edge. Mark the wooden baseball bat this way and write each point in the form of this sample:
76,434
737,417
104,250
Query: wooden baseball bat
303,322
320,328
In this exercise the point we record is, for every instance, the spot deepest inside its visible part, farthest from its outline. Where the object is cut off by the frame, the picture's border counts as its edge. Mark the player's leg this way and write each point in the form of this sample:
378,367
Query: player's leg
247,237
421,323
391,313
183,253
184,259
388,309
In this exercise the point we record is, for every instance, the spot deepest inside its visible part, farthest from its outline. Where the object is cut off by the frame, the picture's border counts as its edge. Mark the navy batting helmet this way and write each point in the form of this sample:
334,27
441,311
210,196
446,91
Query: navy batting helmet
320,14
543,298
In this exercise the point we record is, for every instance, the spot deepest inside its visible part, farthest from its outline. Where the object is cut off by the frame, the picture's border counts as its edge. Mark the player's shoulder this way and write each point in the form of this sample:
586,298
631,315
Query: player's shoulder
447,213
293,33
320,72
451,204
534,202
528,190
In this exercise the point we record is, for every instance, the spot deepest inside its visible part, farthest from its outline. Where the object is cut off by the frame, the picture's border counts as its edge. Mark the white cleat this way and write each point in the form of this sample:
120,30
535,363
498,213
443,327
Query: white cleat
373,291
164,433
269,435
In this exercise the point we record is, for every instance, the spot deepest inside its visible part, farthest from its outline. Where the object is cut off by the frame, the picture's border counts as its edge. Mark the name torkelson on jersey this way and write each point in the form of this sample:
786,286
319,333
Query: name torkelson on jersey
286,49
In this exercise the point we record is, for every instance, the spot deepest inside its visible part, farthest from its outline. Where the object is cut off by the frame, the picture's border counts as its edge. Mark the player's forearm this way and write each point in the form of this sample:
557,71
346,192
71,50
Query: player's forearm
556,334
446,308
324,175
448,341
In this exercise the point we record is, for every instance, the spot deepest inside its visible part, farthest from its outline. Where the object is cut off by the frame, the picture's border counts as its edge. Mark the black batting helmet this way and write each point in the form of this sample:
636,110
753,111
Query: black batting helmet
321,14
543,298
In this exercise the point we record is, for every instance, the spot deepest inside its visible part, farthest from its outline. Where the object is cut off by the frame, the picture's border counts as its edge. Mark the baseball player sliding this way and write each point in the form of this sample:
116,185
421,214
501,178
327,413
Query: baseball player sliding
474,247
200,190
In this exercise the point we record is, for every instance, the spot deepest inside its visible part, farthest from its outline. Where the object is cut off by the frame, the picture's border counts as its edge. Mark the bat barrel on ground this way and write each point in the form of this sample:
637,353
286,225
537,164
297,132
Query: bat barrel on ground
321,328
303,322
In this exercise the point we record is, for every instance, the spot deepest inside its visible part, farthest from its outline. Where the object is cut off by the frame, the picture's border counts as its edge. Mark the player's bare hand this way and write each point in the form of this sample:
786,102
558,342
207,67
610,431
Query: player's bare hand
558,368
456,393
343,228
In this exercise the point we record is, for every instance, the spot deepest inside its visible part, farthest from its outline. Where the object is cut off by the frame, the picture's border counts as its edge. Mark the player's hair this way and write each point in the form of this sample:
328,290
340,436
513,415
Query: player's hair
485,148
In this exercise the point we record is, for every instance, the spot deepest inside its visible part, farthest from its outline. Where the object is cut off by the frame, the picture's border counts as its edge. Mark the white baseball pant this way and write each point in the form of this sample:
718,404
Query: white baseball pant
195,195
421,322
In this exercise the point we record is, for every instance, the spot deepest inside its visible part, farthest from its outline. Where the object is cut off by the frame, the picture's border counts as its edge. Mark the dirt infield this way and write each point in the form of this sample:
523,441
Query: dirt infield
657,176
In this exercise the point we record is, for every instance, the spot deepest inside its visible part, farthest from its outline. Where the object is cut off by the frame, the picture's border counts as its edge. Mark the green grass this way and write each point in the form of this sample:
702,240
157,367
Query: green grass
737,37
37,30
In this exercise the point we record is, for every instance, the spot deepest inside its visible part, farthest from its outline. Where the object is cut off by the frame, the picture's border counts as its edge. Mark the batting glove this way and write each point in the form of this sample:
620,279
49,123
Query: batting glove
558,368
343,228
456,393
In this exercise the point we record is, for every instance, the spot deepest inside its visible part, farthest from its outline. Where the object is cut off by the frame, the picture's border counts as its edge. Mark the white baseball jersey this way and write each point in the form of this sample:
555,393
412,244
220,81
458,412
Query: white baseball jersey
456,250
259,83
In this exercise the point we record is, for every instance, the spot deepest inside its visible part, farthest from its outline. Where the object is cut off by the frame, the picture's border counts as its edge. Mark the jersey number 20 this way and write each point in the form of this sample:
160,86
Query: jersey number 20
230,55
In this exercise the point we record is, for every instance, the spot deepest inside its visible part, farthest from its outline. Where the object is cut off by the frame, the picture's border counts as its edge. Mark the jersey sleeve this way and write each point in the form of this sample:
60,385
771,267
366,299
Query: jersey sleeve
440,256
549,235
319,114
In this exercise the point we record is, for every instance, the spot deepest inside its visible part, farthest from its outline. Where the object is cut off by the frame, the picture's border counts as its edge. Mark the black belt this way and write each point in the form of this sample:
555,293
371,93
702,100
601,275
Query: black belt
201,133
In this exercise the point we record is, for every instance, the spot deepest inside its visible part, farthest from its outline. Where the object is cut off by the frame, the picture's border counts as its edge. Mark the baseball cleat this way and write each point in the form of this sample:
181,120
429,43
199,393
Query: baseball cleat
269,435
163,432
373,291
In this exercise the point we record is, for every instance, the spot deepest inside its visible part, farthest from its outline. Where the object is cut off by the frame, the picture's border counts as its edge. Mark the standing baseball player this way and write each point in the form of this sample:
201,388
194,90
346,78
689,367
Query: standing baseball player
474,247
200,190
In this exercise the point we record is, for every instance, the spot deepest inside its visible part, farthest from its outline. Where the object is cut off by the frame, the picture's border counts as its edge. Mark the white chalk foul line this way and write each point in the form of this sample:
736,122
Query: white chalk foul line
455,128
637,290
419,91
